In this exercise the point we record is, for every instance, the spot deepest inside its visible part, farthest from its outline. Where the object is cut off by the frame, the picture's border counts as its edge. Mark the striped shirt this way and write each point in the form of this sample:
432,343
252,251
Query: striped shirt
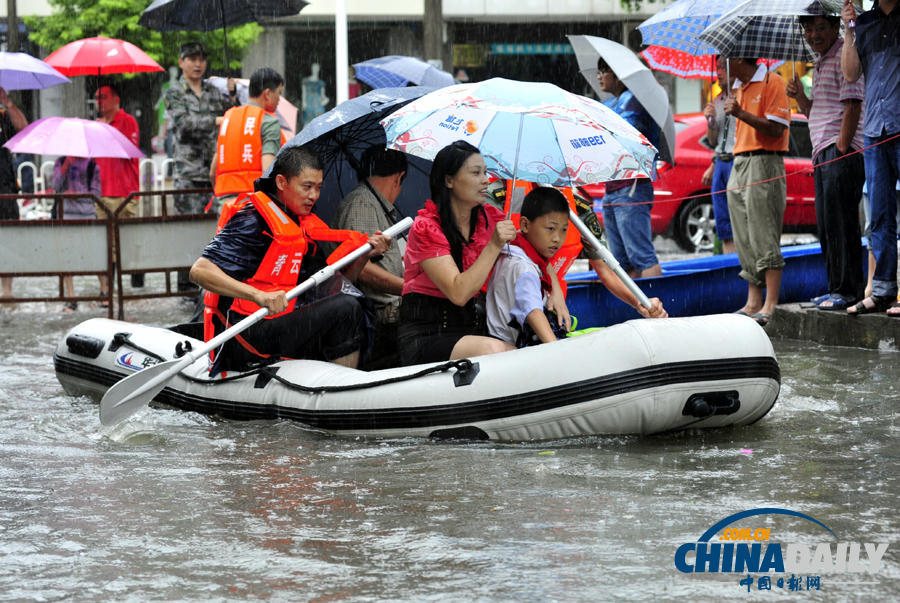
829,91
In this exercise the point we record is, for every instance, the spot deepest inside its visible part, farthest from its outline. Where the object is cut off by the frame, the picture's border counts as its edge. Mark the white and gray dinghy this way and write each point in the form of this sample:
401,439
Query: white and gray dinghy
639,377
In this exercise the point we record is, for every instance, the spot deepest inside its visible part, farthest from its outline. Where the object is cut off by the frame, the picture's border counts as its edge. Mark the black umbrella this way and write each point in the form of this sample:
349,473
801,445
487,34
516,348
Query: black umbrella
208,15
341,135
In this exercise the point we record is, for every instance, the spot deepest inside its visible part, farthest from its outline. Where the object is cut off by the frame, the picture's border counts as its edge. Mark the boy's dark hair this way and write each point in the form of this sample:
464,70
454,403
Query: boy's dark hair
832,20
542,201
291,161
264,78
382,162
602,65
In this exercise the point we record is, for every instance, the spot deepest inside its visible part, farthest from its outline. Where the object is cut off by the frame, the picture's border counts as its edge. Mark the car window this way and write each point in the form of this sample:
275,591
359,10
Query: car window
680,126
801,145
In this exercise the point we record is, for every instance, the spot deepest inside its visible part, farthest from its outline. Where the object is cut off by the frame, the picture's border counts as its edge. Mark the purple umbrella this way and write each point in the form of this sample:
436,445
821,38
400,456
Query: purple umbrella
20,71
73,137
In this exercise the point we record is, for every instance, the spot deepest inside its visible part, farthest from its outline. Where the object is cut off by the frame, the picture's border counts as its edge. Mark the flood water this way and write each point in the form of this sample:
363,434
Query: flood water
174,506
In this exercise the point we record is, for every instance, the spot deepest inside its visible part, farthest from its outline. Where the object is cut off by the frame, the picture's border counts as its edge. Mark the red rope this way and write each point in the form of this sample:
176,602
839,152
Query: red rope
679,199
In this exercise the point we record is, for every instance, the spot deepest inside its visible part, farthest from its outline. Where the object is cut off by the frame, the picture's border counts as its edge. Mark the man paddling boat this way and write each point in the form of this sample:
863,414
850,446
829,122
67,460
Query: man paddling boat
267,244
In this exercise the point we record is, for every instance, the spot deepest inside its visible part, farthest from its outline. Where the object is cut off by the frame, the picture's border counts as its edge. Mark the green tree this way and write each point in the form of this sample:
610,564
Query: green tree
77,19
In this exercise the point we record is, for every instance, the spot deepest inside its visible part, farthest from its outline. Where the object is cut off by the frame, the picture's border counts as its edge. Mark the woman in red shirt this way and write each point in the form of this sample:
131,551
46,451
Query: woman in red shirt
451,250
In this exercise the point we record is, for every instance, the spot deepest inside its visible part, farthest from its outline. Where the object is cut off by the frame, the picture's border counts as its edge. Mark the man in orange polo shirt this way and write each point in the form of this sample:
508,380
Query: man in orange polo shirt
763,114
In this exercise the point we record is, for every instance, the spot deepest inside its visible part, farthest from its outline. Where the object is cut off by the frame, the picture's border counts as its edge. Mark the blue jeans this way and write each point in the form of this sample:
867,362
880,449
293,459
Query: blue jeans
627,227
721,172
882,171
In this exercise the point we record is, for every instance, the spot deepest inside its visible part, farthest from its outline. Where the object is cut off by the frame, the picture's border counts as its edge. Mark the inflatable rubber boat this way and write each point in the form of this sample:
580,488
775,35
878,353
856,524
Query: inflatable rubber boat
639,377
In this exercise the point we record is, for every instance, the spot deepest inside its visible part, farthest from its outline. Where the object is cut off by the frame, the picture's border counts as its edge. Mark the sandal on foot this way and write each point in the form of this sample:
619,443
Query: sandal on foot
762,318
896,310
873,303
741,313
834,304
105,302
70,307
821,298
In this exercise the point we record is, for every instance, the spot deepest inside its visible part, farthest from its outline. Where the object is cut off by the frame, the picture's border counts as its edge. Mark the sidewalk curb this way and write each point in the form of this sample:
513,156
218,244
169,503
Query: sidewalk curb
870,331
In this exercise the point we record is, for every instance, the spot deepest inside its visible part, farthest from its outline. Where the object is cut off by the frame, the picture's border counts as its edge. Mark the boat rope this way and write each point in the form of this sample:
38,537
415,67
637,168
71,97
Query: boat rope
463,367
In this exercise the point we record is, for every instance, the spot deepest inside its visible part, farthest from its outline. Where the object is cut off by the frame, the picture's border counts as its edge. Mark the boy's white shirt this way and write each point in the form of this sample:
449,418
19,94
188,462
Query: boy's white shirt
513,270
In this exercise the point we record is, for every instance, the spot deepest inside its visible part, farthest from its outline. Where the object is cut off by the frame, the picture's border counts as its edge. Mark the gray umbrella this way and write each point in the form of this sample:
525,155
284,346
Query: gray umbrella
639,79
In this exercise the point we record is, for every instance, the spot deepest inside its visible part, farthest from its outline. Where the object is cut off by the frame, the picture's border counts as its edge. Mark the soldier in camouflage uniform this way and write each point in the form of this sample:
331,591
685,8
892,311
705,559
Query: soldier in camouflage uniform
195,109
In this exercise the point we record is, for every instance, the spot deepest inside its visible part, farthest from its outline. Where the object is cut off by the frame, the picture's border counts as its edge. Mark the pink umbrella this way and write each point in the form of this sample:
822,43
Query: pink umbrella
73,137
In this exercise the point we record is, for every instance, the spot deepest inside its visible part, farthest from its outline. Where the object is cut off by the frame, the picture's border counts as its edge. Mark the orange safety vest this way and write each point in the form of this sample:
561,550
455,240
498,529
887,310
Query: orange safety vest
568,252
280,267
239,150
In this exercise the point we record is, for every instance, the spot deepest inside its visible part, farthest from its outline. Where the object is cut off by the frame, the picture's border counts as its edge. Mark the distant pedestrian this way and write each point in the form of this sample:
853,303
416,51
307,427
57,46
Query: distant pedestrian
834,114
11,121
872,49
762,139
194,108
627,203
77,175
118,177
720,135
249,138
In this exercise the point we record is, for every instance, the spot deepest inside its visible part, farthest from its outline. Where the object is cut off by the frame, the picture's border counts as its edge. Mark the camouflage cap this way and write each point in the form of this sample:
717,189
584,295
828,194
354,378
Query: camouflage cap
192,48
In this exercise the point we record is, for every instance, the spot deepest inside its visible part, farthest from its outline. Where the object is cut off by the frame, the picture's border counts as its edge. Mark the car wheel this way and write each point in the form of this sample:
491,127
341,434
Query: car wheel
695,229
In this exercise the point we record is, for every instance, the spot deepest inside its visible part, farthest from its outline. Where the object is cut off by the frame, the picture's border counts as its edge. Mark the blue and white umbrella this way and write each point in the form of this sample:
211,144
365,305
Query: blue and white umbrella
397,71
528,131
679,25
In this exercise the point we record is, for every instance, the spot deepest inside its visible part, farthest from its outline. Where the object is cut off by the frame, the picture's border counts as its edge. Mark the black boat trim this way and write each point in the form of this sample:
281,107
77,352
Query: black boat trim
463,413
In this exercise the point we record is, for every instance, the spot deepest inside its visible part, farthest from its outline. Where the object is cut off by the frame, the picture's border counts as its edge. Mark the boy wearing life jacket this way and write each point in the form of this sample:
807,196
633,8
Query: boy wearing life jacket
515,295
575,246
516,289
267,245
249,138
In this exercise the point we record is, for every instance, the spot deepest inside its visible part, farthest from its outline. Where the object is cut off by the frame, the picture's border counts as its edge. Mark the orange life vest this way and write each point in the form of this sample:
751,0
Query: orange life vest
568,252
280,267
239,150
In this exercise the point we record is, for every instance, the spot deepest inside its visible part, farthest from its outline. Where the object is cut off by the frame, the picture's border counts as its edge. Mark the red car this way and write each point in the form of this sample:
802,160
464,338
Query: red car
690,221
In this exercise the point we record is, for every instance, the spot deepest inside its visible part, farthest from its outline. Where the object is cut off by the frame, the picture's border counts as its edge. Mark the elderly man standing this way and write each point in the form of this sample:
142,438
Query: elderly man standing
194,107
872,49
761,139
369,208
834,113
118,177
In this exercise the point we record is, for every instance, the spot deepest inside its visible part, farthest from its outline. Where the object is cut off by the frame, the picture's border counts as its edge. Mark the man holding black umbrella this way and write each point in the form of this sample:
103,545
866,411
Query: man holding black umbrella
195,107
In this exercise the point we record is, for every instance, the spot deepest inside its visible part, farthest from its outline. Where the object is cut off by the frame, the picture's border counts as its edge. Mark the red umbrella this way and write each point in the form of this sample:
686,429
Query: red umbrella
680,63
101,56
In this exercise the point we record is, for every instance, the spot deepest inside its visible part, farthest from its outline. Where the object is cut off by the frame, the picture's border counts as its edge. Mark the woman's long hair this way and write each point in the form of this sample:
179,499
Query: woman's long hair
448,162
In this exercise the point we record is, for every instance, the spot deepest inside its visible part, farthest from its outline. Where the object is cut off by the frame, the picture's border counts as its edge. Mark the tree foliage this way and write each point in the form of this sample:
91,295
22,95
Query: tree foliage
77,19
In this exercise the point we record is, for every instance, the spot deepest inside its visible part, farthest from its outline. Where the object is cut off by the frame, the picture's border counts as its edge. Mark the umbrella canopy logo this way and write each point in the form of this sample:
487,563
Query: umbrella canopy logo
753,550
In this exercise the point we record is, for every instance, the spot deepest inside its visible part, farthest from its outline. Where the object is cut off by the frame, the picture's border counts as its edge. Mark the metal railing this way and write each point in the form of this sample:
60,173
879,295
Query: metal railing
39,247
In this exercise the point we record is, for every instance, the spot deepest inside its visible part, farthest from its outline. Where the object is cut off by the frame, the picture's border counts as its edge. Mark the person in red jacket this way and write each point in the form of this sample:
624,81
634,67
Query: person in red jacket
118,177
264,250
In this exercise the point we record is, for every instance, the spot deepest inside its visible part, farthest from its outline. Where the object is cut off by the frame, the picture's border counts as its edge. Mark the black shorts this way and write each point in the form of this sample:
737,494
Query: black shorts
326,329
431,326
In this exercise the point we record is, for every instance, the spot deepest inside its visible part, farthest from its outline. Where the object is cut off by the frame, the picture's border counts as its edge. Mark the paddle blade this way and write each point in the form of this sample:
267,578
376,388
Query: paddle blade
135,392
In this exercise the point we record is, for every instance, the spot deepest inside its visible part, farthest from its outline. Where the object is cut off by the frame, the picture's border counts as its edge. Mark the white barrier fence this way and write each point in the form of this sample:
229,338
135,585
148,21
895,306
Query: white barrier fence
153,177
